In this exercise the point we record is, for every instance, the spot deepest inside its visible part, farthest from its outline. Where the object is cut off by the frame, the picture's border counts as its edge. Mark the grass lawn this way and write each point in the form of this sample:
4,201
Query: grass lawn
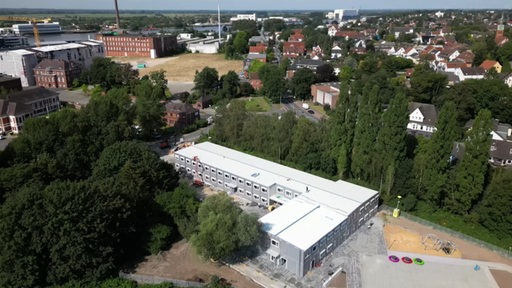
318,109
257,104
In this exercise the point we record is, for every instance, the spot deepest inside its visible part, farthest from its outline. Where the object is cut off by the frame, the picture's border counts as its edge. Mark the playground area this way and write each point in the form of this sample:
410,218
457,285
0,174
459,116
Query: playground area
402,239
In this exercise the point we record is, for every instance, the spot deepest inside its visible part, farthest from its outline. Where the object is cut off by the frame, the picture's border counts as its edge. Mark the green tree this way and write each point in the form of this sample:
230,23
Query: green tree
229,122
222,229
427,85
160,238
366,131
240,42
206,81
274,85
391,144
149,108
470,175
301,83
182,205
230,83
438,151
497,195
325,73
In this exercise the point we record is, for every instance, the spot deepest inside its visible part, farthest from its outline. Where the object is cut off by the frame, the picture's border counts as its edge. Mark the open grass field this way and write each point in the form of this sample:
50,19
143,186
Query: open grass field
182,68
256,104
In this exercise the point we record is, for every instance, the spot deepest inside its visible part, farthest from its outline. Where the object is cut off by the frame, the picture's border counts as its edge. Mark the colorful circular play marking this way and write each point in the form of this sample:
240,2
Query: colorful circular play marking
393,258
419,261
406,260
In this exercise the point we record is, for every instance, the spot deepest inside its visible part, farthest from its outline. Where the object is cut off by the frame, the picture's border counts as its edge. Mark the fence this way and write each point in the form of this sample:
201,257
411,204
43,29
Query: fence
146,279
489,246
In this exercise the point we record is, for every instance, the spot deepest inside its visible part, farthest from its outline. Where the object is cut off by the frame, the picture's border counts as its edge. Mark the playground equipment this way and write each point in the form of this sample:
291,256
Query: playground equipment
393,258
433,242
406,260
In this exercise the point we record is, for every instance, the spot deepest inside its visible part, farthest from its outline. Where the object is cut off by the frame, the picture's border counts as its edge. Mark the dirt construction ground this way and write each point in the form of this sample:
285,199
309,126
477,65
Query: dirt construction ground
181,262
182,68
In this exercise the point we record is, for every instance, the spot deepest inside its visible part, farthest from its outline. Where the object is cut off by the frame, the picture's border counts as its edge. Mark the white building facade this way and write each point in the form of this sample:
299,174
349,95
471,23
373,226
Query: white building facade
315,215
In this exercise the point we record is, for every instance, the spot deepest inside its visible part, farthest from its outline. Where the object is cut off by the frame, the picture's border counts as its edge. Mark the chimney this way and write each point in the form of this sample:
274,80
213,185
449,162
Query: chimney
118,20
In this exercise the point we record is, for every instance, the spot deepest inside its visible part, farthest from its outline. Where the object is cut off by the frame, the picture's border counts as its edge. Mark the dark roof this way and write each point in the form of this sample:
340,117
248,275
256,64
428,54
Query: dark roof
19,103
30,95
179,107
472,70
4,77
501,150
429,112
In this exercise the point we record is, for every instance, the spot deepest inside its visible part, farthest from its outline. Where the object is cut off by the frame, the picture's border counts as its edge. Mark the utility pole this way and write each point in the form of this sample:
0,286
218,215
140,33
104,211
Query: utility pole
218,18
118,20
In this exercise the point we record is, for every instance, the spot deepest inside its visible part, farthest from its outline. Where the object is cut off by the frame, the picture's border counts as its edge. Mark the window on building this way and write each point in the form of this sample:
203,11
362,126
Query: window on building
274,242
233,178
255,196
213,170
220,173
322,253
256,187
279,190
214,179
314,248
226,176
288,193
295,195
240,180
264,189
188,161
264,200
248,184
282,261
241,190
182,159
248,193
207,177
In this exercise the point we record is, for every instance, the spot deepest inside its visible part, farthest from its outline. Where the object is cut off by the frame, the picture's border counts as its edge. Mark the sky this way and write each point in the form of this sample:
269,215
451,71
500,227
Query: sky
267,5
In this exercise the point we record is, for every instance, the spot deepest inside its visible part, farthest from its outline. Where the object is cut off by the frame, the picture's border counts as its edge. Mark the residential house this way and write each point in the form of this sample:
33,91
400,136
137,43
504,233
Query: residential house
466,57
20,106
56,73
316,53
296,36
487,65
336,52
179,114
466,73
294,49
326,93
422,119
359,47
501,146
203,102
397,31
349,34
260,48
332,30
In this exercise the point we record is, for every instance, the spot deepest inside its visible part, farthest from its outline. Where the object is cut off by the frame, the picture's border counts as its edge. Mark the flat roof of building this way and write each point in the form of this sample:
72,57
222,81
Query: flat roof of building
322,205
58,47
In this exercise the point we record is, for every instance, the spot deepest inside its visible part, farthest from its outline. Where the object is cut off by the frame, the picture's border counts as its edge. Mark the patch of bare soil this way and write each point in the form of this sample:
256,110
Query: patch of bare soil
181,262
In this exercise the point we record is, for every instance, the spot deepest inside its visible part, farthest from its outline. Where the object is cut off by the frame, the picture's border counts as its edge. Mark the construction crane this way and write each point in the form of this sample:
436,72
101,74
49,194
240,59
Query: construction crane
33,21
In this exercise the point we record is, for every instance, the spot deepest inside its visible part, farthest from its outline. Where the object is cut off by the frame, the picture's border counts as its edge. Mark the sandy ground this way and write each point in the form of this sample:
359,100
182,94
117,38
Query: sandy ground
467,249
181,262
183,68
503,278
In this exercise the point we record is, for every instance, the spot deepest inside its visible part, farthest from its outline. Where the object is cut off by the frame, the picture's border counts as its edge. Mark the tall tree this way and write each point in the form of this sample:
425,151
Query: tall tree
470,175
437,155
274,85
391,144
427,85
365,135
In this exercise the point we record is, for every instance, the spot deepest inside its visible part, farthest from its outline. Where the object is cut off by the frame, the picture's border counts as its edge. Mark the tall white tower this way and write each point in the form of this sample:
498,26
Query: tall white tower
218,18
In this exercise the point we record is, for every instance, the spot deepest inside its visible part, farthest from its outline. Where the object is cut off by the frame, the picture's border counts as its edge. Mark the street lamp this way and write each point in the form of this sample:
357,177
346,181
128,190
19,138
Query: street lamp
396,211
398,201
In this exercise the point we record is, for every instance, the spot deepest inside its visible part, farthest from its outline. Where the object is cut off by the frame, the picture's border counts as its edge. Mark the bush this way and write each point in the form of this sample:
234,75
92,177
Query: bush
160,238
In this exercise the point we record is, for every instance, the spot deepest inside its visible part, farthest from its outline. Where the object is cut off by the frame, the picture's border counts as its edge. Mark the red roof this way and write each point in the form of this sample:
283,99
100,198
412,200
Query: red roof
349,34
294,48
258,49
488,64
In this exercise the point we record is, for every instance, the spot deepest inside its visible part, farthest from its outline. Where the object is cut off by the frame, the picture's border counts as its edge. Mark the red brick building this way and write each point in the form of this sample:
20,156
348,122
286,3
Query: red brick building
56,73
294,49
179,114
125,45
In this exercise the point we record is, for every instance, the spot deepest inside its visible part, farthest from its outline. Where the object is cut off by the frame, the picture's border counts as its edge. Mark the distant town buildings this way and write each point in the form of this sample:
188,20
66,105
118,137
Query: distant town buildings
21,62
16,108
343,15
126,45
13,41
42,28
244,17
